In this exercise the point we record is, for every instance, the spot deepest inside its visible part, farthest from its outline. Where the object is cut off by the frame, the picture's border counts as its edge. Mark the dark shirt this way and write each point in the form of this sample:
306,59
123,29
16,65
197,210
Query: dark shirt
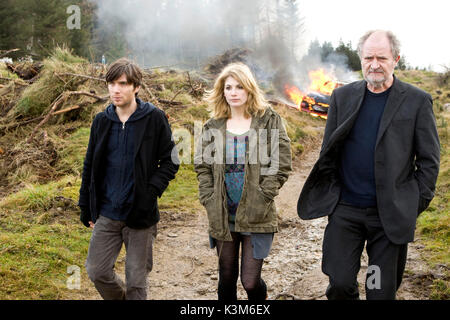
357,155
118,179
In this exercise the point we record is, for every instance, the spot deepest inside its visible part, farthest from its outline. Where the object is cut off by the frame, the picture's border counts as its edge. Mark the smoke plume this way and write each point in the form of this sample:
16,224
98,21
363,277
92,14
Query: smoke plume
186,33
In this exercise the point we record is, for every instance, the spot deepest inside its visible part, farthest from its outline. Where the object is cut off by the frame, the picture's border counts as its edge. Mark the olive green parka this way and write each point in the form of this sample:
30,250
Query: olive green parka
267,167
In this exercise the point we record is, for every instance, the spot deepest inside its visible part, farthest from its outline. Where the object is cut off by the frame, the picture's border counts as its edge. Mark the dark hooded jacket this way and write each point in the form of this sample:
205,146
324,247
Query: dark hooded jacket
144,143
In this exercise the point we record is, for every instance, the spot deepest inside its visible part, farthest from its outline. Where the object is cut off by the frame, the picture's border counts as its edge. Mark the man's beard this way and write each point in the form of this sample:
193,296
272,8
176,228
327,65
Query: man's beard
376,83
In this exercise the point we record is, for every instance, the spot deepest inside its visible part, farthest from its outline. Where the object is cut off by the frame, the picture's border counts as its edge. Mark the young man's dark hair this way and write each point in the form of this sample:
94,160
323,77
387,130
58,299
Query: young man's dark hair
129,163
126,67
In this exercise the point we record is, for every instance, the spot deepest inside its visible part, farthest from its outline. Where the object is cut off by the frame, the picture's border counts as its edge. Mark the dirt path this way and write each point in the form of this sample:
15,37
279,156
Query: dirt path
186,268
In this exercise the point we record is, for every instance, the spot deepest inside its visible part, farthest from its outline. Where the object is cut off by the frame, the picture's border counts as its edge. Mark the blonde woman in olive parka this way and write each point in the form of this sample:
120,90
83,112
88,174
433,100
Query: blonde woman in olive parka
242,159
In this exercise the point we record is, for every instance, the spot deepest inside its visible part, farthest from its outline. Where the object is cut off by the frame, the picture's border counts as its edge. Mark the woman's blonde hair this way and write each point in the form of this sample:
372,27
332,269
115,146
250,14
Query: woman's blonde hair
256,103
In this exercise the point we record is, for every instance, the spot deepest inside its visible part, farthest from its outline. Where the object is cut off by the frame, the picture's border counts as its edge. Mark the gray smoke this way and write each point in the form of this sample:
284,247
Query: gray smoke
168,32
187,33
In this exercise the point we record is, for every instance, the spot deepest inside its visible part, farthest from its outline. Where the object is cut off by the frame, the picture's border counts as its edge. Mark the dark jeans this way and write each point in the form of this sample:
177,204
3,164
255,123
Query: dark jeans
347,231
104,248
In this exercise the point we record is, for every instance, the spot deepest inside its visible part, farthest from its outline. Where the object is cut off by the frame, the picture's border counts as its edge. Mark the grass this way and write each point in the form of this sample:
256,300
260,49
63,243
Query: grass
303,130
34,263
433,228
35,249
72,151
40,232
199,112
41,236
5,73
182,193
433,224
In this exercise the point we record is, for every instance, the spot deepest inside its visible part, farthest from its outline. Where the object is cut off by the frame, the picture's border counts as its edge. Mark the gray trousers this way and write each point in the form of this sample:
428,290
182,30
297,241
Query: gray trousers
104,248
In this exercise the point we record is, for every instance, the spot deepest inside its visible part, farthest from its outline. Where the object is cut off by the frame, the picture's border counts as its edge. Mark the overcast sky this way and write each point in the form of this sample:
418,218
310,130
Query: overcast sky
423,27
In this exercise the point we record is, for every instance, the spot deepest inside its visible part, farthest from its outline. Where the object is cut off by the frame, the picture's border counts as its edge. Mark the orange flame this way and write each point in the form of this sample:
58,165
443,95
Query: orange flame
295,94
321,82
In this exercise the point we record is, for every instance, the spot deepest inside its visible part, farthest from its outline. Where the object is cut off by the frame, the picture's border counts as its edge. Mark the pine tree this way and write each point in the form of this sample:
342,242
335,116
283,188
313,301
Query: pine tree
37,26
293,26
15,30
353,60
326,49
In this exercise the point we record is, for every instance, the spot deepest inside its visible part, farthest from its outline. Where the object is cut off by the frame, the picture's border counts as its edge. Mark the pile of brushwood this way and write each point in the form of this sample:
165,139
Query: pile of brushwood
46,109
43,103
217,63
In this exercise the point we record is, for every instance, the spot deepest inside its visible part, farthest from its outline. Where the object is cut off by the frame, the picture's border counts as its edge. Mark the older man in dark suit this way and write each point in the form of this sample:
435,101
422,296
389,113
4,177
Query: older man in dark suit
376,173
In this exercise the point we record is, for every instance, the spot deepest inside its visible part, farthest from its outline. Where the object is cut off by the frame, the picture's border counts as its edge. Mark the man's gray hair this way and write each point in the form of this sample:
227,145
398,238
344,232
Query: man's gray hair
395,43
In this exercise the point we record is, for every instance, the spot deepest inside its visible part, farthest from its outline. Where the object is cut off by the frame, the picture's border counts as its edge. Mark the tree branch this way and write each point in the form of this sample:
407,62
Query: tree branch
16,81
150,94
8,52
58,102
81,76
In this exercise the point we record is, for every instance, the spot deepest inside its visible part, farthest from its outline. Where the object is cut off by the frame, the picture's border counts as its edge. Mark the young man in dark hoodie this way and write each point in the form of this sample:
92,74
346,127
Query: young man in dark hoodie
130,159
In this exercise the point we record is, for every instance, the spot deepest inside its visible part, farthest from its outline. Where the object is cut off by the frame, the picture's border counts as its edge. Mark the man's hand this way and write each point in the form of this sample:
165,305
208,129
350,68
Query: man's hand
91,225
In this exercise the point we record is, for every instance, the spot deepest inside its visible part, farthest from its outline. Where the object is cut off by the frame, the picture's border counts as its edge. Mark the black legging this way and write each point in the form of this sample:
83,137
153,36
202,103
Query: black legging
228,252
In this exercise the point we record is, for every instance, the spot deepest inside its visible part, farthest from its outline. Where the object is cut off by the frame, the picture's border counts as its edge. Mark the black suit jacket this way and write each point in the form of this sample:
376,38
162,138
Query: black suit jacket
406,160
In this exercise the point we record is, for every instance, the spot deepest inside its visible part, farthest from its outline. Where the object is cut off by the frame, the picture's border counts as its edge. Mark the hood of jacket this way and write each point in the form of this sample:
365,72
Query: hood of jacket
143,109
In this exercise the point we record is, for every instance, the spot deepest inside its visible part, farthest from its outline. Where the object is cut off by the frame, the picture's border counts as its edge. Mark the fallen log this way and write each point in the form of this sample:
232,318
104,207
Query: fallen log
67,109
15,125
150,94
80,76
18,124
16,81
169,102
58,102
283,103
4,54
89,94
176,94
